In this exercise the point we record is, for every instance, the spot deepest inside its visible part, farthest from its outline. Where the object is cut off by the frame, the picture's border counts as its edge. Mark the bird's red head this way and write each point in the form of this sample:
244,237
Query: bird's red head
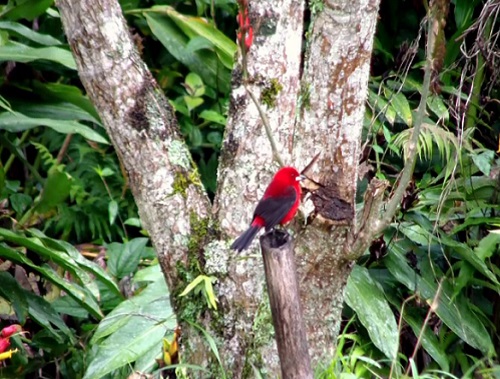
285,177
288,176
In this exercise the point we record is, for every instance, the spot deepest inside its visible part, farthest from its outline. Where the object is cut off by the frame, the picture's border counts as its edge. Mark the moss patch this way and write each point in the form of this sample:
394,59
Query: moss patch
270,93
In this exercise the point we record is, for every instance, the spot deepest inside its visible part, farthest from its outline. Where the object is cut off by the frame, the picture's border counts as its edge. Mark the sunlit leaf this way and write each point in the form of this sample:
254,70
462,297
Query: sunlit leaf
364,296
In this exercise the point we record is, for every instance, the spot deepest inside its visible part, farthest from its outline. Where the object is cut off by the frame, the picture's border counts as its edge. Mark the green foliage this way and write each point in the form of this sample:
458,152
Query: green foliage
437,270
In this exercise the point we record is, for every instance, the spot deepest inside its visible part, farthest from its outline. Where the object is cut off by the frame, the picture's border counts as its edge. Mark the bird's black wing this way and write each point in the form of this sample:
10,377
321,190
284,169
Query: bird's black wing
274,208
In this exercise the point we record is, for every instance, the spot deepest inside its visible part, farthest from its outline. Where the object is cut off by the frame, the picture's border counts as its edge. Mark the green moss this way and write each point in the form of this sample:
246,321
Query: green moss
262,335
270,93
305,96
316,6
188,309
182,181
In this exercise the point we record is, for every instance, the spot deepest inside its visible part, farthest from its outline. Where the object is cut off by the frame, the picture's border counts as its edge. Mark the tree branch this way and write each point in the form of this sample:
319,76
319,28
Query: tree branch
374,225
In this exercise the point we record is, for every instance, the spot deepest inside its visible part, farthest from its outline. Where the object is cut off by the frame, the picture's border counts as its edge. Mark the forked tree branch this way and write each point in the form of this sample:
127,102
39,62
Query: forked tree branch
375,222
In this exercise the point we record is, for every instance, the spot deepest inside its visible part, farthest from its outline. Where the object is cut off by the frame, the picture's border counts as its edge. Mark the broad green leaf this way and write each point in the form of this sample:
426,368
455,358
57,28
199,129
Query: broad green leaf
195,27
202,62
66,93
194,85
25,9
20,29
112,211
455,312
55,111
484,161
132,329
13,293
17,122
45,315
429,340
123,259
438,107
17,52
193,102
382,106
198,43
68,306
402,107
82,295
89,266
487,246
213,116
55,191
366,298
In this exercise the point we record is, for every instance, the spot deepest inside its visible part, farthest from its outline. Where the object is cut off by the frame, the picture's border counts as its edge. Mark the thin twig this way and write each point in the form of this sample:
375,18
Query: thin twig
269,132
64,148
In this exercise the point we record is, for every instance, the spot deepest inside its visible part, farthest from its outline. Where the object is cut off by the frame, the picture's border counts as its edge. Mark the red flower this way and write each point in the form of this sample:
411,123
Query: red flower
245,32
10,330
4,344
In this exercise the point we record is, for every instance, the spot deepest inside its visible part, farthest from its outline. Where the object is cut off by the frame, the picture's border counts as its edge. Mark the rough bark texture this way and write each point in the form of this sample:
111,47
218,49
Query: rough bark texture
283,290
142,127
245,169
334,89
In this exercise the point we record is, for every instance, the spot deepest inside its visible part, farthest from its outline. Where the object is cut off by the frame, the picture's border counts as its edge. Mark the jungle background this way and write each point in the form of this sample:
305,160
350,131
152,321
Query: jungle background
77,271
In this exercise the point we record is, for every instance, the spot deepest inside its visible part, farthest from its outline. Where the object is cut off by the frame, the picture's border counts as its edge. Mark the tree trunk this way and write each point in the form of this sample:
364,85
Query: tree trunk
322,111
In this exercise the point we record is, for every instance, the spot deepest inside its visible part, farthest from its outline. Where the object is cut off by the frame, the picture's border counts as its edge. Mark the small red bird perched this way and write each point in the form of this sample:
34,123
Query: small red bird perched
278,206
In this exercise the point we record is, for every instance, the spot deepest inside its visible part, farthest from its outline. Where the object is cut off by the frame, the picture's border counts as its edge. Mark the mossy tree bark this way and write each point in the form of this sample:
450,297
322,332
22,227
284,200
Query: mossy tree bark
314,102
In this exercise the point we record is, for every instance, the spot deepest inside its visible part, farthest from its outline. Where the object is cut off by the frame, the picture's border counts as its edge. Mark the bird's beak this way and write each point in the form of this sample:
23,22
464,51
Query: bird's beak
300,178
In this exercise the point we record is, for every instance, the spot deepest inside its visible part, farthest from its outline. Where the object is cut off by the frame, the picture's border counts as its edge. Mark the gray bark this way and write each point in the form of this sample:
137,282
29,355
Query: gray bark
335,83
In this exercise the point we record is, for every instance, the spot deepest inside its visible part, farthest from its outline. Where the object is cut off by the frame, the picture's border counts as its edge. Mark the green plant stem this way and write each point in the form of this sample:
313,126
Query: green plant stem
409,167
267,127
477,83
13,155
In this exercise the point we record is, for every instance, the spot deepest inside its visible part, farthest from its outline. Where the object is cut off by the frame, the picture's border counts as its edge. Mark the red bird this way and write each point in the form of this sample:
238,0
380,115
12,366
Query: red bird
278,206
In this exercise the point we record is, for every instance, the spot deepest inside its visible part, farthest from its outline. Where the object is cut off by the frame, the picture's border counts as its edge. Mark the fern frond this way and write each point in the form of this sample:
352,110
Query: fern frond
432,140
46,155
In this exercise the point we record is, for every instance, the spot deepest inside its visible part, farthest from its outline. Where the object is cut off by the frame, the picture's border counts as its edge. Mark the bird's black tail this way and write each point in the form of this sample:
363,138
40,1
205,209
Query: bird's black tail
243,241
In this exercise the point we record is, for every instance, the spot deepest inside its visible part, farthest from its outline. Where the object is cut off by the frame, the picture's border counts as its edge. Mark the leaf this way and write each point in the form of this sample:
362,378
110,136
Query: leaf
429,341
20,29
194,85
80,294
193,102
202,62
198,43
483,161
382,106
55,111
113,211
402,107
11,291
17,122
195,27
17,52
25,9
55,191
123,259
366,298
454,311
66,93
132,329
82,262
438,107
213,116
